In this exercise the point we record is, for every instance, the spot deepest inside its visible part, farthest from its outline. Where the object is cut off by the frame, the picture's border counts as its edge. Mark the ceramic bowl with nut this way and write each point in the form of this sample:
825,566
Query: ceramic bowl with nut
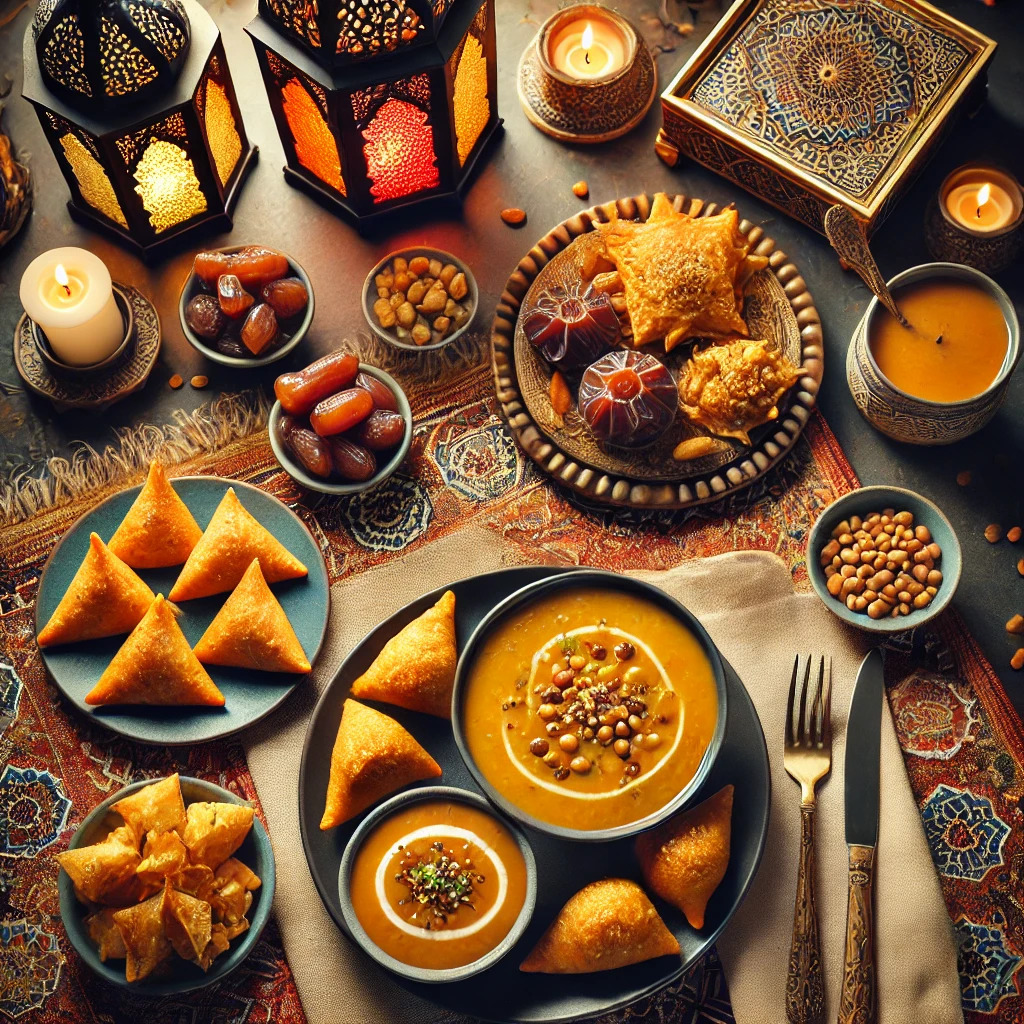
420,299
884,559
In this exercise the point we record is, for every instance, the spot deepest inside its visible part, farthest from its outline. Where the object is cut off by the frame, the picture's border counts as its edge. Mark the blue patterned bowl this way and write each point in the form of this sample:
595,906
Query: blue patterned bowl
915,420
256,853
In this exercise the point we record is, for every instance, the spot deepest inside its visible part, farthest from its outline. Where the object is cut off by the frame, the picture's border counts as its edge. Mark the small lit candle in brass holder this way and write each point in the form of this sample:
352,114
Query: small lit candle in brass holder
587,75
977,218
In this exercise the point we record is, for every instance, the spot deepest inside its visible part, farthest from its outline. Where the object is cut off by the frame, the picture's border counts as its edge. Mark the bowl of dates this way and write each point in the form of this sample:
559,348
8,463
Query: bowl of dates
245,306
339,426
419,298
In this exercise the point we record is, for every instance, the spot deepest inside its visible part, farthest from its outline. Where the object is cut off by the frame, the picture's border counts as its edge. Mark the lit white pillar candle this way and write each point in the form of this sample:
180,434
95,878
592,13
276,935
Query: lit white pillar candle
68,293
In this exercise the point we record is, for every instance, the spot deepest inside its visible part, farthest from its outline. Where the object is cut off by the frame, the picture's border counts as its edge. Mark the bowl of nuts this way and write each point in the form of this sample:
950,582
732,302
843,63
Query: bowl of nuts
884,559
339,426
419,298
245,306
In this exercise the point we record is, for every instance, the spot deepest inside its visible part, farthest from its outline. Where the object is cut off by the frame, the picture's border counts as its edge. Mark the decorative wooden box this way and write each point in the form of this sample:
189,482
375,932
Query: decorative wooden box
813,103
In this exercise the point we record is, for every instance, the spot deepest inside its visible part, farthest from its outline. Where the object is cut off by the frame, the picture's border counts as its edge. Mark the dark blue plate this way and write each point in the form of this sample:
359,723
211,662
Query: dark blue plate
248,696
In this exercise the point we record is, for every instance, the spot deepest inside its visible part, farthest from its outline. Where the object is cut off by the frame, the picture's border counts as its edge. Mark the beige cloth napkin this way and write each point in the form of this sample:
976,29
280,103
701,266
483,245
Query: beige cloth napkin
747,603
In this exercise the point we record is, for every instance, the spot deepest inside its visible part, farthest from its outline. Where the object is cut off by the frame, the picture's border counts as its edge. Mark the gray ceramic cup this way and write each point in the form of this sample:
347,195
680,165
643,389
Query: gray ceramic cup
905,417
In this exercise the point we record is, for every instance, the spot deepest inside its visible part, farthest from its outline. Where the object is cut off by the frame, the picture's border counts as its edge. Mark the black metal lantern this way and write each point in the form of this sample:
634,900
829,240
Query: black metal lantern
397,106
136,100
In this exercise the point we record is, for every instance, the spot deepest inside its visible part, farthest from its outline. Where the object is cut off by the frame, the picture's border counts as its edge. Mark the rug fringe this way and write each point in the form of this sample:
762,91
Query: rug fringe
225,419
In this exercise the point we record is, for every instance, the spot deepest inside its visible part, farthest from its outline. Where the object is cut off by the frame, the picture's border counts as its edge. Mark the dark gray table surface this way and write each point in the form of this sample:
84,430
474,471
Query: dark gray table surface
528,169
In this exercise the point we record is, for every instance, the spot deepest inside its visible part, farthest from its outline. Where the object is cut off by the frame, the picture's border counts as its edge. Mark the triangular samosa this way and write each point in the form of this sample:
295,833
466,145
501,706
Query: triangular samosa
214,831
251,630
155,665
105,598
142,931
372,757
158,807
607,924
416,669
187,922
158,530
230,542
684,859
104,872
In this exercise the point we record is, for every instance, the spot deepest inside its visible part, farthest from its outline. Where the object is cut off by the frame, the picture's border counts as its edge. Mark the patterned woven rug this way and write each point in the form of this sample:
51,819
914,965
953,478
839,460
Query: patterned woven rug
963,745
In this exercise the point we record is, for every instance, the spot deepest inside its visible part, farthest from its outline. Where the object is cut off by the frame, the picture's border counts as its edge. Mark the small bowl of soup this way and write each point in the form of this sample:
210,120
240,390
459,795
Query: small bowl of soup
435,886
944,377
589,706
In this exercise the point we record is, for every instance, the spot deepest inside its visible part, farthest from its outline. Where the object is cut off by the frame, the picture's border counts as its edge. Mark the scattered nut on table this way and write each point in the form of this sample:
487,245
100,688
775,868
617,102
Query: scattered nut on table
882,564
176,381
421,299
963,478
199,381
1016,624
1017,661
581,189
993,532
513,216
1013,534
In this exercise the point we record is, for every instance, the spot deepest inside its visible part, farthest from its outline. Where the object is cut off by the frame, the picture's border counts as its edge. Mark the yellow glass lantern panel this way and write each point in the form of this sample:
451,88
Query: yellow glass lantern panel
472,108
126,69
315,147
168,185
399,151
221,132
93,182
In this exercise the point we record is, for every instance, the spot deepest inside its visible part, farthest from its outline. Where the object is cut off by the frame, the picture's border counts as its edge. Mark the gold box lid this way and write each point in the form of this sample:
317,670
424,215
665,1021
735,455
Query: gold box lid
842,97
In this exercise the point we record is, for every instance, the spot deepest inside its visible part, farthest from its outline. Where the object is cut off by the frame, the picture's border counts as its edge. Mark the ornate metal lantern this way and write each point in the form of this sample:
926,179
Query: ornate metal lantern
136,100
379,103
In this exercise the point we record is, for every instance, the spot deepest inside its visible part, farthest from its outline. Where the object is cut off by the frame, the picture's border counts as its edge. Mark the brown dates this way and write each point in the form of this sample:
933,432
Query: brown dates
381,430
309,451
204,317
383,396
287,296
300,390
342,411
234,300
351,461
259,329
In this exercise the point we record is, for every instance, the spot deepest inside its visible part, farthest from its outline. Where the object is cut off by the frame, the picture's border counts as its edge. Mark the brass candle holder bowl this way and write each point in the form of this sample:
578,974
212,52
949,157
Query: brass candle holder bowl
906,417
989,251
586,110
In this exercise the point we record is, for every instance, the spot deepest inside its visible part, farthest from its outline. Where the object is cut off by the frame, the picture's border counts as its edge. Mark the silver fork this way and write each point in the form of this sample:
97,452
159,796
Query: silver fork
808,759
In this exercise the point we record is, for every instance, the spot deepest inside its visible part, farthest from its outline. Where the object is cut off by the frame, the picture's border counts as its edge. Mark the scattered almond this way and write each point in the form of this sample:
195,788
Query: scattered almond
513,216
694,448
1017,661
1020,567
176,381
199,381
1016,624
963,478
581,189
561,396
993,532
1013,534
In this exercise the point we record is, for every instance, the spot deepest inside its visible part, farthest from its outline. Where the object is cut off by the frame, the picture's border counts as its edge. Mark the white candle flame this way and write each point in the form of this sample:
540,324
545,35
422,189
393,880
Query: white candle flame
588,37
983,193
62,275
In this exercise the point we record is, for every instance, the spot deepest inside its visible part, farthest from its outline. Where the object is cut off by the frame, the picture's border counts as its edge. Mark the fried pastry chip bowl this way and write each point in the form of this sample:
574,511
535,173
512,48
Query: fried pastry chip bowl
139,882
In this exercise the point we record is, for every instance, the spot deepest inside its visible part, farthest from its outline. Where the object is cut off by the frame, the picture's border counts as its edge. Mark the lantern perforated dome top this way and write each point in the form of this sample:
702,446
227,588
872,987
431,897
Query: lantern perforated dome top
110,52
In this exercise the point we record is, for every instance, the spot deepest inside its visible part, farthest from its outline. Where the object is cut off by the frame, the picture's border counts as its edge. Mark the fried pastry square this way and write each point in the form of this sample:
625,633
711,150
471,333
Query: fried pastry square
142,932
219,942
416,668
158,530
685,859
104,872
215,830
251,630
195,879
736,386
105,598
155,665
607,924
105,934
157,807
233,887
230,542
163,856
187,922
678,271
372,757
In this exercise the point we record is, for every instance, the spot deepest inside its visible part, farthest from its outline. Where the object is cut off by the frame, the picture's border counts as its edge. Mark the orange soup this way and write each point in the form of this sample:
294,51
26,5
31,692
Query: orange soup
956,344
590,708
438,884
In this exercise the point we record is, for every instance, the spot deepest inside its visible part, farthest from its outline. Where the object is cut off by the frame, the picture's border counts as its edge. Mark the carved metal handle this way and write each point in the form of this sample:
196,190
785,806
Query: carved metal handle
857,1002
805,988
848,238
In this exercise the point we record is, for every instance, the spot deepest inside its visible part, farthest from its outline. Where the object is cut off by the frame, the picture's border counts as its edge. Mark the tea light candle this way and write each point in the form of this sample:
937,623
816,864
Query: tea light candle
588,45
69,295
982,200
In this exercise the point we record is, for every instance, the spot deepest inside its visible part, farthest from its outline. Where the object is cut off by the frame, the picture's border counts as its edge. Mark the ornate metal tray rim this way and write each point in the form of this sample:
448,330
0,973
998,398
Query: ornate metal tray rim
619,490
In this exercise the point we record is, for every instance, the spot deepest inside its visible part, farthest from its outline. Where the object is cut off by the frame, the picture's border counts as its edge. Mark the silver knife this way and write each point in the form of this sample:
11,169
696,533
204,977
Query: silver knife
857,1003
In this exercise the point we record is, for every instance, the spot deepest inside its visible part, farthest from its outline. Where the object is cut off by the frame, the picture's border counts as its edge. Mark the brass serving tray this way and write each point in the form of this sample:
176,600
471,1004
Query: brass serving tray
813,103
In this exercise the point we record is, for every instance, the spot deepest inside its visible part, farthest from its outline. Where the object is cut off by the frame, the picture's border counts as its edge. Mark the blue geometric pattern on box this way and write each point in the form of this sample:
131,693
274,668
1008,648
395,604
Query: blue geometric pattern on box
30,962
836,88
965,834
33,810
985,963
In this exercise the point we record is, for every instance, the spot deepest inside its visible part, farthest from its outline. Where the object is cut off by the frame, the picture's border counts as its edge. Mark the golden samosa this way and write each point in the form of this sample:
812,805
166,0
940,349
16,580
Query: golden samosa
230,542
251,630
158,530
157,807
105,871
684,859
145,941
607,924
105,598
372,757
214,831
187,922
416,668
155,665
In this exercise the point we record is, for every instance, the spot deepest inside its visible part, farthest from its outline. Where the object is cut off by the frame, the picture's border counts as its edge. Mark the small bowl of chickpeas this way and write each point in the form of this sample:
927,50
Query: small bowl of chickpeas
420,299
884,559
